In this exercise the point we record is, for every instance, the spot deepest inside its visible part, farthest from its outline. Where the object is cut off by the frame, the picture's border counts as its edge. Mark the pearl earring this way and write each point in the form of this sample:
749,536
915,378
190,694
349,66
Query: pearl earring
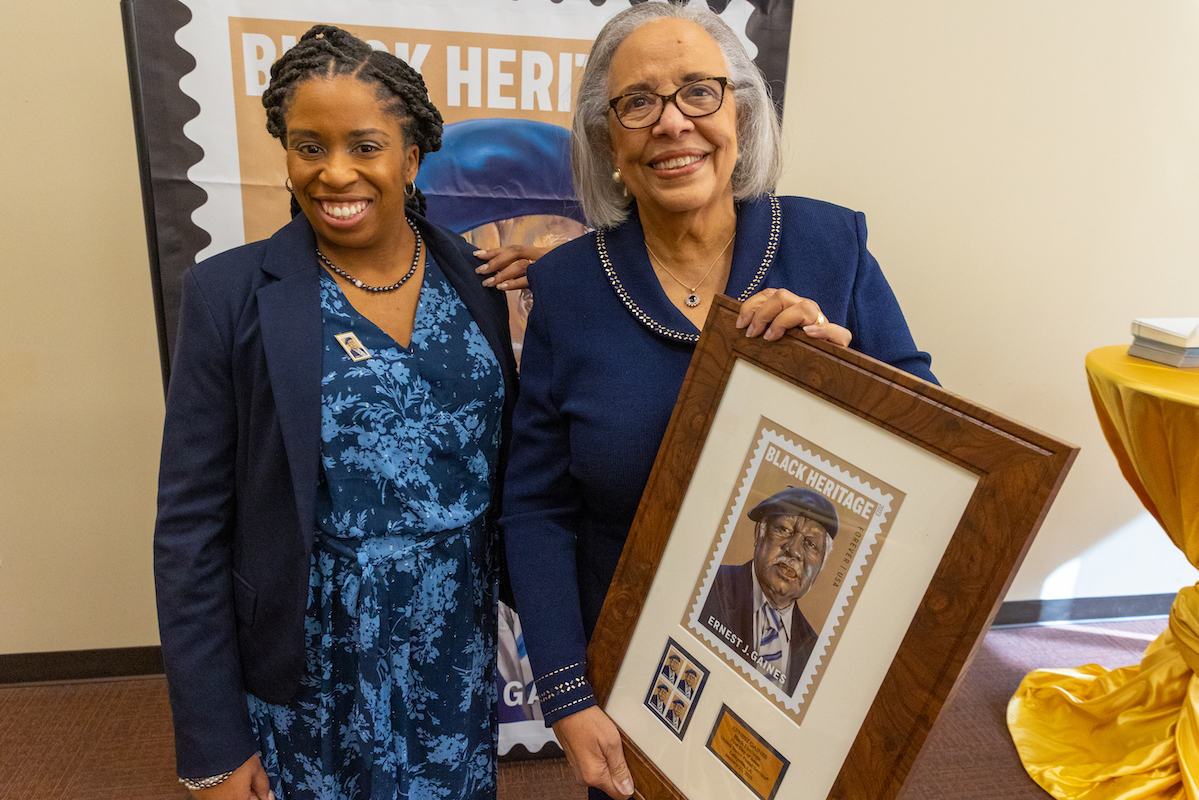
618,178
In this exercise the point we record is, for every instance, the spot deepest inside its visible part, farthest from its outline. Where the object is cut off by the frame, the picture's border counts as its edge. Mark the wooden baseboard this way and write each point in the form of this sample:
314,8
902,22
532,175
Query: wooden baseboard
73,665
1033,612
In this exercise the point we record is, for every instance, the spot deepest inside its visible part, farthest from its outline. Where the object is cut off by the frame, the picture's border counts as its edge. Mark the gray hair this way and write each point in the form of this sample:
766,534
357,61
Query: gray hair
759,139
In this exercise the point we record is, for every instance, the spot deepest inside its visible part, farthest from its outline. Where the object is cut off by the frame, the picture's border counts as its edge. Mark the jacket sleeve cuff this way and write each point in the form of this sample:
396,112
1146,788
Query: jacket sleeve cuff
564,692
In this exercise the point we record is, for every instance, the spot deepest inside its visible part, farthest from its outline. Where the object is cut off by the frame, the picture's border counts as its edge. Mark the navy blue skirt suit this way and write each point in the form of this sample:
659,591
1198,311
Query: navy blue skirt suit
603,360
239,471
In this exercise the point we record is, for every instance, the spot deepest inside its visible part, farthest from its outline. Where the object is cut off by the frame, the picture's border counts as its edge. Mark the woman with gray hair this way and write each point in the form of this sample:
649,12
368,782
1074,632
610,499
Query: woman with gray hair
675,154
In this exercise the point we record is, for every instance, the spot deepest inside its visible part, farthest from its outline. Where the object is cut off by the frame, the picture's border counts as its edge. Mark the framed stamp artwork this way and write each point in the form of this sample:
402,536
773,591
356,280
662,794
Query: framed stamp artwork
821,545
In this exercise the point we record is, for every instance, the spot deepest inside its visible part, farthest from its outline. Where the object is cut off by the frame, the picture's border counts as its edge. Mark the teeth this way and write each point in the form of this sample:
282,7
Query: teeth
676,163
343,210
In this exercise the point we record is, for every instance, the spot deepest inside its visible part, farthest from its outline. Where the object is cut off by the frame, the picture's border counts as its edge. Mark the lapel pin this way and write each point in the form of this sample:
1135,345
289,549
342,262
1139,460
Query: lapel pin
354,349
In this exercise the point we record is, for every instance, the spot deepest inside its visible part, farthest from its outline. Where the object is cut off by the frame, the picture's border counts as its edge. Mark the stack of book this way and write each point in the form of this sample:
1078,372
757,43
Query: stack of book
1173,341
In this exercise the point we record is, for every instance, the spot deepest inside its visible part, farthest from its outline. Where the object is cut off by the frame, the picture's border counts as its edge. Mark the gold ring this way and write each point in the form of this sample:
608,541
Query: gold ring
820,318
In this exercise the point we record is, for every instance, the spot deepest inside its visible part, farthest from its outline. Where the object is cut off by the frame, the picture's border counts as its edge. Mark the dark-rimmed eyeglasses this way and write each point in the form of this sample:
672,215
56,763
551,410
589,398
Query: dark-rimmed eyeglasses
695,99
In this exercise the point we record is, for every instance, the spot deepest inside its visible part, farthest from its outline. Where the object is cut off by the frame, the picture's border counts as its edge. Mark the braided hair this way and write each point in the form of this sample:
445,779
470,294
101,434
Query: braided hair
326,51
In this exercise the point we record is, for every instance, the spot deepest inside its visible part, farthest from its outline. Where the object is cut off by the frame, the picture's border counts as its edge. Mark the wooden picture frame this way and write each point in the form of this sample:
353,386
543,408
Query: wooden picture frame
961,492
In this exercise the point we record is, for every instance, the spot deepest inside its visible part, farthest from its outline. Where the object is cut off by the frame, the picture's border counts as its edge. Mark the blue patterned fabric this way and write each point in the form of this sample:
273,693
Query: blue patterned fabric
398,699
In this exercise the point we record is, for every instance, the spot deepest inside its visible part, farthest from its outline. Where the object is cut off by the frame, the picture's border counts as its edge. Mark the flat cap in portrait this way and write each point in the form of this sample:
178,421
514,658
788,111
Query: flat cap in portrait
793,502
493,169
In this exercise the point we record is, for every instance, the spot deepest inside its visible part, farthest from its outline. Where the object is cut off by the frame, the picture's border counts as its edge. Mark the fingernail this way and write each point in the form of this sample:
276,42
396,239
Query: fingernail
503,287
626,786
479,253
811,328
489,281
740,323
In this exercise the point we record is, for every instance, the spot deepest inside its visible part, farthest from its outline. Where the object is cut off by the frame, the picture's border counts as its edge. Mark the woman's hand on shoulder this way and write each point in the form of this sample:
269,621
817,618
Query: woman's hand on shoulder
772,312
592,745
506,266
248,782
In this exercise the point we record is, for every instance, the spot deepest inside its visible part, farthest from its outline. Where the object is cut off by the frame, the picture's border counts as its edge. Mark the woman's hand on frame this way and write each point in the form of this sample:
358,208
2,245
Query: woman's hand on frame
506,266
772,312
592,745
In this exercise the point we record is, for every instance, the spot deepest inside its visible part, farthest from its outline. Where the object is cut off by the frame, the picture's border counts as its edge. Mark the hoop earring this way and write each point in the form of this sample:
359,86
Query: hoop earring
410,190
287,184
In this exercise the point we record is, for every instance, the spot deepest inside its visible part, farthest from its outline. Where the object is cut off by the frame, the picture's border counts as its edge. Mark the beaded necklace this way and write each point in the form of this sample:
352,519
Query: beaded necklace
369,288
772,243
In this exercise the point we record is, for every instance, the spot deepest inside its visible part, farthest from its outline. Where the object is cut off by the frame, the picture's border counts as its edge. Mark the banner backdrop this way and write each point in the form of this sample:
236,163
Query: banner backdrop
503,73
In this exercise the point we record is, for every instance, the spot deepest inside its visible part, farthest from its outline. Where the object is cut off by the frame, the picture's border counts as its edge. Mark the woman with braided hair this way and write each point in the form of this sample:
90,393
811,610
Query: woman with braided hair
338,415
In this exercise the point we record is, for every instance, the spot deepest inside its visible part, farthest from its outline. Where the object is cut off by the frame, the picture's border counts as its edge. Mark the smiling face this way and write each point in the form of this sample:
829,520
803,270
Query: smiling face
788,554
680,164
348,163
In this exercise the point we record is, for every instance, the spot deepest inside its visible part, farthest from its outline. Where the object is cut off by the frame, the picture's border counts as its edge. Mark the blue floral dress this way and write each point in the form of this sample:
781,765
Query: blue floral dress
398,699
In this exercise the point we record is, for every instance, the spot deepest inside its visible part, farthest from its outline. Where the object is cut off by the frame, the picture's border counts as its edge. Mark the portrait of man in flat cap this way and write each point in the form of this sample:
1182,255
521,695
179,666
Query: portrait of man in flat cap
670,671
658,700
687,684
752,606
677,713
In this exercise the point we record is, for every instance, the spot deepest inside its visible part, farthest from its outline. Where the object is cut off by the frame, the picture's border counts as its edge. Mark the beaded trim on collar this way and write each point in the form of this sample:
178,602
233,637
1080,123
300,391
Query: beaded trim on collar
772,243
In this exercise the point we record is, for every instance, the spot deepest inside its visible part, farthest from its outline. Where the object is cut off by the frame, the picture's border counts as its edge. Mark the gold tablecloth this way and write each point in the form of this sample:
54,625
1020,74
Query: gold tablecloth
1132,733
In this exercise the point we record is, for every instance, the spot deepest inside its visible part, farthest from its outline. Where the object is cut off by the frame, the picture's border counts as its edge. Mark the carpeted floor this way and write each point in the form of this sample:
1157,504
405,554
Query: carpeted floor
969,754
103,739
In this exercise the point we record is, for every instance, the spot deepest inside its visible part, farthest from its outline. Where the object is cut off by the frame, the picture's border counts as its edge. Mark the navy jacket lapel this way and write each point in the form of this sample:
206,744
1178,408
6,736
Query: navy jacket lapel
289,308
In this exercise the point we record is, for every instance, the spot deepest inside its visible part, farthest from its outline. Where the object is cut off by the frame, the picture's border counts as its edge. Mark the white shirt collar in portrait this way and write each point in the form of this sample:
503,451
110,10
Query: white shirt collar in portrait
761,623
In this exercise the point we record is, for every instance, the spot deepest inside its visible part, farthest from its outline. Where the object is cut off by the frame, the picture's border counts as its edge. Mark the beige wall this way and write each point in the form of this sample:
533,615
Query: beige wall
1030,172
81,394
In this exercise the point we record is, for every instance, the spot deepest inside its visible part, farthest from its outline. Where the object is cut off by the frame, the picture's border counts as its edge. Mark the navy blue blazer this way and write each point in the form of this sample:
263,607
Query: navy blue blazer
601,368
731,602
238,476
